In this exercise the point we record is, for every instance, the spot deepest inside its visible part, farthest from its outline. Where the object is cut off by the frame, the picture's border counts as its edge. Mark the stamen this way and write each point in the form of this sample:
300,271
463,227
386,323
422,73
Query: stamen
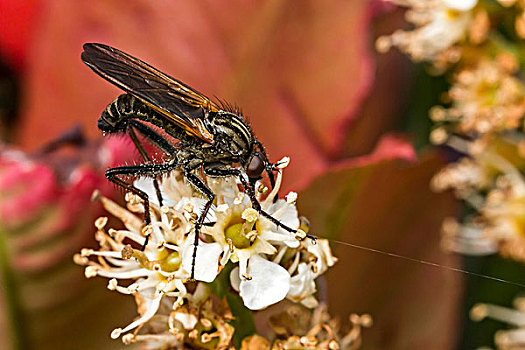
291,197
300,235
499,313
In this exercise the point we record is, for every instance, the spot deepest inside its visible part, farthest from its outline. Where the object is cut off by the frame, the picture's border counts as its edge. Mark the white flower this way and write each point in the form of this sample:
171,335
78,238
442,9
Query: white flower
439,25
272,264
146,184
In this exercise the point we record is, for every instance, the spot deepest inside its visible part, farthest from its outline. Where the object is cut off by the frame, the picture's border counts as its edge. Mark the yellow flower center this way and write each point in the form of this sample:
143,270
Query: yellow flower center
171,263
237,235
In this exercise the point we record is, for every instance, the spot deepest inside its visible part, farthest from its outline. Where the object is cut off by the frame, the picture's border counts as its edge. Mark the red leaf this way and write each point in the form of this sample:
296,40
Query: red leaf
388,206
299,70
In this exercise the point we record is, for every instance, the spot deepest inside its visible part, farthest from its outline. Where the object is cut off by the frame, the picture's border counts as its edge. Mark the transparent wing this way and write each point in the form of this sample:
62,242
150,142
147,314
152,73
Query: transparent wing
172,98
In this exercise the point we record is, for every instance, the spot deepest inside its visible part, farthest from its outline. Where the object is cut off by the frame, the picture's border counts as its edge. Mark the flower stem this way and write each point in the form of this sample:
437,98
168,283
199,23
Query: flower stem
13,310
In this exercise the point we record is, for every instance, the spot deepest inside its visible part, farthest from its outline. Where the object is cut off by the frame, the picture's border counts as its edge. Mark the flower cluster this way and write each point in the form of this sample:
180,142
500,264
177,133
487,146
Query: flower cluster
490,181
481,118
262,263
297,328
504,339
440,25
485,98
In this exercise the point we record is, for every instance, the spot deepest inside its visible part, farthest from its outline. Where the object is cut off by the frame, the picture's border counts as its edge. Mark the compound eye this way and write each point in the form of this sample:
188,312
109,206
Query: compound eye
256,166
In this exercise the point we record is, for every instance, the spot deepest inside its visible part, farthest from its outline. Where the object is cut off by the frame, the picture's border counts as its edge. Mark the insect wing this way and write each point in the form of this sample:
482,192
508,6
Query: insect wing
170,97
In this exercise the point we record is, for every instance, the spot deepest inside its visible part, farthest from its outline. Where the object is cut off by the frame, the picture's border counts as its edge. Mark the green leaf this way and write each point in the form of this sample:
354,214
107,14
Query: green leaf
243,321
221,285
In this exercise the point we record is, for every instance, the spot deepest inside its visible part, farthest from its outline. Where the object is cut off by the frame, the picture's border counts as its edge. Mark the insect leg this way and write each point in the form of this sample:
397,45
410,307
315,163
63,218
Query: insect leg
153,136
114,174
201,186
146,158
155,139
248,188
269,167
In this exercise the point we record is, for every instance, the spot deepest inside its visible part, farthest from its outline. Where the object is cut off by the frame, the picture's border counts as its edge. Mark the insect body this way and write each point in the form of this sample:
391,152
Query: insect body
212,137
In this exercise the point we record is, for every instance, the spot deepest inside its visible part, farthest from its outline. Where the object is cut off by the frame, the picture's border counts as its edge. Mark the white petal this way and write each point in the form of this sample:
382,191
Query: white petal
146,184
460,5
272,236
302,285
285,212
269,284
235,279
206,261
310,302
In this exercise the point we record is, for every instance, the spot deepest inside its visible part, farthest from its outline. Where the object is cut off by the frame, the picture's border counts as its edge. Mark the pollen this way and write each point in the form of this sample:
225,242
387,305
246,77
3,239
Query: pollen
250,215
188,207
239,198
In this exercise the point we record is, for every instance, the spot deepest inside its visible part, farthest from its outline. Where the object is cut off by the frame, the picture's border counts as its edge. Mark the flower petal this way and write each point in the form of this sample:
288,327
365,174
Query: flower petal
235,280
146,184
302,285
269,284
206,261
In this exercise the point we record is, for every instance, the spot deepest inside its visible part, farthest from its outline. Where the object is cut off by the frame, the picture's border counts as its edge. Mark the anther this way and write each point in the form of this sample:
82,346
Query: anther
127,252
300,235
116,333
128,338
262,189
86,252
291,197
112,284
250,215
101,222
90,271
193,334
206,323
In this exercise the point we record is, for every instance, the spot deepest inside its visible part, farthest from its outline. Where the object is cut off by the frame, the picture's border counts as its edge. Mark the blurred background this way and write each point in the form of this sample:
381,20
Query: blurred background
307,76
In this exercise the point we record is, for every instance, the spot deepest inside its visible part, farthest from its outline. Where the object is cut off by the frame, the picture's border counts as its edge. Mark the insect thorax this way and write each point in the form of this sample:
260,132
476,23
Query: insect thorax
231,132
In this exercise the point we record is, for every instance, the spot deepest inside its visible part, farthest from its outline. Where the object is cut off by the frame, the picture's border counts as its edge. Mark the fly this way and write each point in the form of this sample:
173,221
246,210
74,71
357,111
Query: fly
211,136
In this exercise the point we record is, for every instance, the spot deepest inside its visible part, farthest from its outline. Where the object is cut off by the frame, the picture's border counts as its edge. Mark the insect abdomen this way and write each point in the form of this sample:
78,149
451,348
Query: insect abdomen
115,116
